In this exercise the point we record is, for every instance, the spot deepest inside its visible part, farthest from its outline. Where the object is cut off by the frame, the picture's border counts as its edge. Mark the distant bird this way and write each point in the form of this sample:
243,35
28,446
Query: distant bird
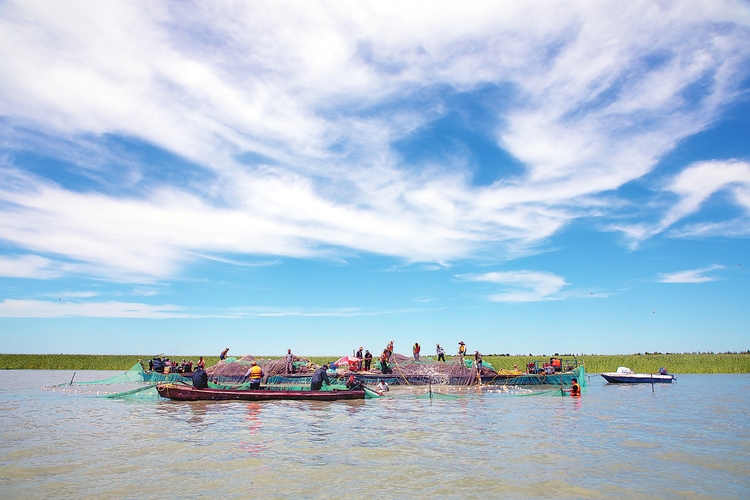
652,312
60,298
639,291
592,293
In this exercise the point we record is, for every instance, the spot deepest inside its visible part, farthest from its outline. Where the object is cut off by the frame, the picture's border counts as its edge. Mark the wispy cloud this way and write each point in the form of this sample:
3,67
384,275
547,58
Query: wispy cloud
10,308
295,128
690,276
521,286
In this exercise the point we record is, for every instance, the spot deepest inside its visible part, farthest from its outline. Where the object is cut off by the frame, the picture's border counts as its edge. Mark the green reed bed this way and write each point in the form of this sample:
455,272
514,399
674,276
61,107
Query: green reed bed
82,361
643,363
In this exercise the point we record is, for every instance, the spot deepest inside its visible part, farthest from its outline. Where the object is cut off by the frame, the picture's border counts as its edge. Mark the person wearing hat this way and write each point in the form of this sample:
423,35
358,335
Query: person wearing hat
319,377
440,353
256,374
359,359
478,365
416,350
461,352
289,361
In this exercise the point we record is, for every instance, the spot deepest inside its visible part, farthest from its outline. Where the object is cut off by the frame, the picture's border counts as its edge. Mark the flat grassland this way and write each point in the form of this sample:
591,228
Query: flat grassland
641,363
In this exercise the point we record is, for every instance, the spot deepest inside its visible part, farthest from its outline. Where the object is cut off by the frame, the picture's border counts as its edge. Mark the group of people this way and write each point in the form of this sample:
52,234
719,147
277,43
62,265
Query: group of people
255,374
167,366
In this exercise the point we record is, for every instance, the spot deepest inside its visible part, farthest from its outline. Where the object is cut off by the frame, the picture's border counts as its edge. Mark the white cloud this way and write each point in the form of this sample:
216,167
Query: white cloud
690,276
10,308
27,266
599,95
692,187
521,286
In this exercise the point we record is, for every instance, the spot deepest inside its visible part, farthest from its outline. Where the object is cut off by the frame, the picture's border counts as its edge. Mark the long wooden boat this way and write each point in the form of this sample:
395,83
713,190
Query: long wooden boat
627,376
180,392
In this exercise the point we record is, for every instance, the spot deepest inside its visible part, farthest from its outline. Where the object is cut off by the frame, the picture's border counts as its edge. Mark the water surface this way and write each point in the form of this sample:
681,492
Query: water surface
690,439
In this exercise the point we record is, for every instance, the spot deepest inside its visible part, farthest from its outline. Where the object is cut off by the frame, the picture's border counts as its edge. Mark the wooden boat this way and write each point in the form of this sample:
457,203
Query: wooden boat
181,392
625,375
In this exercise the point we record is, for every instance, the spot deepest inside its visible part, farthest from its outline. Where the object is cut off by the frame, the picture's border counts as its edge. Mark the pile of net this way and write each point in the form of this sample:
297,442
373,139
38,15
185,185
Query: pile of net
233,370
429,371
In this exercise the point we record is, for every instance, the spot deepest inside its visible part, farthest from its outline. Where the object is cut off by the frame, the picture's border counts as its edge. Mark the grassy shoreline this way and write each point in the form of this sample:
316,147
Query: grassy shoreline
642,363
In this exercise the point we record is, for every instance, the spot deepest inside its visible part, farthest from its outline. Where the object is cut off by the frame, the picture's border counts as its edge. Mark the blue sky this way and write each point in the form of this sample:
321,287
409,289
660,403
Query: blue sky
526,177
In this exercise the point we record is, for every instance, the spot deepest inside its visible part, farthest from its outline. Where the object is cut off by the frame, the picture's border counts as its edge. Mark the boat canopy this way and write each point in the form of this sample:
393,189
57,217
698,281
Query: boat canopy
623,369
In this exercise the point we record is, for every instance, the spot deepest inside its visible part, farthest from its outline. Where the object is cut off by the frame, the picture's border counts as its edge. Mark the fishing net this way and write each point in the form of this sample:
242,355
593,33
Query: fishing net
233,370
232,373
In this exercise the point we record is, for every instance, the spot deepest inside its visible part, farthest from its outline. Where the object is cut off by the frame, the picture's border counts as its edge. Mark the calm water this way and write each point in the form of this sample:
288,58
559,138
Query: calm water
686,440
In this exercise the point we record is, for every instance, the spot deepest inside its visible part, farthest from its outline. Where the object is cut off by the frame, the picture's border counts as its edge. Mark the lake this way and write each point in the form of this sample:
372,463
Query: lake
690,439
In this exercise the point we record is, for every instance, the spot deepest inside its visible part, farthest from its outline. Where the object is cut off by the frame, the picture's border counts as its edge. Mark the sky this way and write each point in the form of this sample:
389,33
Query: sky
526,177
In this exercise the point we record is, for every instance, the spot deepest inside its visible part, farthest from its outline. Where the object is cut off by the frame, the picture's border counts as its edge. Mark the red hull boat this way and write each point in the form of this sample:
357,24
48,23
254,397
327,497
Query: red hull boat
179,392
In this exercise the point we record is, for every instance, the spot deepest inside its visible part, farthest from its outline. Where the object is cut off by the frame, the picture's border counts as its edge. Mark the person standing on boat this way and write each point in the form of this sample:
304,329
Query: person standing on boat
461,352
223,354
416,350
478,366
200,378
389,349
359,359
256,374
289,361
384,362
440,353
319,377
368,359
202,363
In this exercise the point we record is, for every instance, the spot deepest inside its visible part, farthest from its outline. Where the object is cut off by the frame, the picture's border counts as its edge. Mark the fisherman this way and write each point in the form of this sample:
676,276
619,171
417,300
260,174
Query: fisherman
389,349
478,366
353,383
319,377
384,361
382,387
289,361
440,353
359,359
575,389
461,352
416,350
368,359
202,363
256,374
200,378
223,354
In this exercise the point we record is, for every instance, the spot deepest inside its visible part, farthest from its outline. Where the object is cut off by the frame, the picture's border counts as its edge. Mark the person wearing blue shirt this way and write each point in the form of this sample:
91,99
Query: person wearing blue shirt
319,377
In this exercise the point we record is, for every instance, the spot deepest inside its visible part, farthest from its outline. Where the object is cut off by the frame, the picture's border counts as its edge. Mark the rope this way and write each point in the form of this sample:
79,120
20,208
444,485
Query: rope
401,371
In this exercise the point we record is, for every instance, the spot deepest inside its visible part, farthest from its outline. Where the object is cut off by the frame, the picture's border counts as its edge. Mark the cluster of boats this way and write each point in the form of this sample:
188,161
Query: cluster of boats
297,386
